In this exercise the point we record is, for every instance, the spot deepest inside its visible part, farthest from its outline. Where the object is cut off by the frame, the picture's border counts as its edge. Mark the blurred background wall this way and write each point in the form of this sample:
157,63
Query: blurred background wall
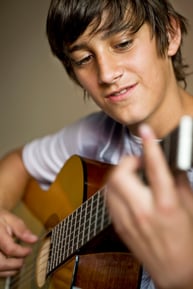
36,96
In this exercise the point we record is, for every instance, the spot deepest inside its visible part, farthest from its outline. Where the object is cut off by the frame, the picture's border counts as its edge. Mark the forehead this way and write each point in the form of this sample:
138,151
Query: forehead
106,26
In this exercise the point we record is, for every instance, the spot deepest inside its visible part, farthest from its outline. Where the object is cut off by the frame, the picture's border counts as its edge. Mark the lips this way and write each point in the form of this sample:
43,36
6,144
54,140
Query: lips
121,94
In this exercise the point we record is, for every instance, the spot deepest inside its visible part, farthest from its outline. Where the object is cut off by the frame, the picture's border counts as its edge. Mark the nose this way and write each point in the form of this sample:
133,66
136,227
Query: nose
109,68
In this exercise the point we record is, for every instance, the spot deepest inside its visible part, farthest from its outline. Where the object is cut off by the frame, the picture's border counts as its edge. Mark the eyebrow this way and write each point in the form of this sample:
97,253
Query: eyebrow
83,45
77,47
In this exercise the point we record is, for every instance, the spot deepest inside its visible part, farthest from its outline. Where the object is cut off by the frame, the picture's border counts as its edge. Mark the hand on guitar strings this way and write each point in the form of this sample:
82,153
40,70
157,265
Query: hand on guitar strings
156,220
12,253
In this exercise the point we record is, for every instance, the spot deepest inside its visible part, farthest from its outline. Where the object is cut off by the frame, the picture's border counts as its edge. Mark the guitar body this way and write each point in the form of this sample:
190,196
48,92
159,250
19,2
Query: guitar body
104,262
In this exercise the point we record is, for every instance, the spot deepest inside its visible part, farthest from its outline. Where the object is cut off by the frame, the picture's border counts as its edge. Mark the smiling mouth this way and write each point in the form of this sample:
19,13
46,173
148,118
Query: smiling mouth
122,94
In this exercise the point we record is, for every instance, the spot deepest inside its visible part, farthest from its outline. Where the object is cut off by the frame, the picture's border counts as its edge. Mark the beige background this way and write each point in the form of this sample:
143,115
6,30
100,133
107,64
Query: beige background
36,96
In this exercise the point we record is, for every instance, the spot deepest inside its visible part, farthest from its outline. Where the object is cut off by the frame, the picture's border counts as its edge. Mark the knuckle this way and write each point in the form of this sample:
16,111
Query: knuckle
166,206
8,250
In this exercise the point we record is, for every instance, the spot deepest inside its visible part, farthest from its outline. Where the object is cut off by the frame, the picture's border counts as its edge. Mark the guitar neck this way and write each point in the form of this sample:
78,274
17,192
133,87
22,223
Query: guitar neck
76,230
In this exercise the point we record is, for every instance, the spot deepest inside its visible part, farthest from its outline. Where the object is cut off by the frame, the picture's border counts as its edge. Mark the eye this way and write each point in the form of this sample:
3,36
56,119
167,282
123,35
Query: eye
124,44
82,61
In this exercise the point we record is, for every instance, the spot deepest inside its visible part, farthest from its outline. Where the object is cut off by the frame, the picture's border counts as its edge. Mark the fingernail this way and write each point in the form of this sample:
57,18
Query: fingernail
145,131
30,235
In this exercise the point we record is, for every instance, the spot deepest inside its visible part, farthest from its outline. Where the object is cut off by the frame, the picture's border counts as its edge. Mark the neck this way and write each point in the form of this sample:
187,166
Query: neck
168,116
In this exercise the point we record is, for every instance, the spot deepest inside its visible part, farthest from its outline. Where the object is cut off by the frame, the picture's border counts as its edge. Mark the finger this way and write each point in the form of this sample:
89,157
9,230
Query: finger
126,221
8,245
127,188
124,172
120,215
157,170
185,191
128,183
10,273
9,266
116,194
15,226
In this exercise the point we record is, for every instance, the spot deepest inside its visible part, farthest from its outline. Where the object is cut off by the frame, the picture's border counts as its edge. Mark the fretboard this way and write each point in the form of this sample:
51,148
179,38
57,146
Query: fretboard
77,230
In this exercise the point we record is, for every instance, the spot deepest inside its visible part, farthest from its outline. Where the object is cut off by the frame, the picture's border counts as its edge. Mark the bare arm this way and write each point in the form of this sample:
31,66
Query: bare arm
155,221
13,180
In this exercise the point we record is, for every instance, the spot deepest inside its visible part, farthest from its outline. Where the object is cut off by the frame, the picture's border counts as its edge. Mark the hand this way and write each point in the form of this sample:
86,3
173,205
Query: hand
154,221
12,254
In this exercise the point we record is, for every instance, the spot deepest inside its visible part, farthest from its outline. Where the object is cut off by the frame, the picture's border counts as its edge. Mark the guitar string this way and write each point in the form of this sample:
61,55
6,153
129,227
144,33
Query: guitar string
26,276
25,279
61,244
29,268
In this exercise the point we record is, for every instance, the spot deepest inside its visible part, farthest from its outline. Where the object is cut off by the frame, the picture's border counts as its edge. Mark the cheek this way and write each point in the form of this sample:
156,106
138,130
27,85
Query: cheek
152,71
140,63
88,81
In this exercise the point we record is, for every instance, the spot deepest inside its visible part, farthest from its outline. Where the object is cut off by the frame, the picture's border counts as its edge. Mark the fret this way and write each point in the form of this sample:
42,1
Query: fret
91,217
92,221
69,252
60,241
105,213
83,219
77,229
100,213
77,235
90,214
73,234
87,228
64,224
53,241
96,213
81,230
68,239
72,240
64,230
57,245
65,239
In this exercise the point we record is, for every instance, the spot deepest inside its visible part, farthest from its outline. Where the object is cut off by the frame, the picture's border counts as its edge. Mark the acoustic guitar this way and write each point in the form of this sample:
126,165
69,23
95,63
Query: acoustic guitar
79,248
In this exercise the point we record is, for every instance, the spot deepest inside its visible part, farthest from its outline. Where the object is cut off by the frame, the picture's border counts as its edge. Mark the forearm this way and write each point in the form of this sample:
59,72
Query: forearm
13,179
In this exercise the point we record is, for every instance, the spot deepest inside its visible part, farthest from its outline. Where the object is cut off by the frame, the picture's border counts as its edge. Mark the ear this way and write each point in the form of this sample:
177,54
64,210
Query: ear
174,37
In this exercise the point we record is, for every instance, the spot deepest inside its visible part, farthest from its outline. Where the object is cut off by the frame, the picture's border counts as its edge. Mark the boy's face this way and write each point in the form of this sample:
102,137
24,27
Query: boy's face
124,74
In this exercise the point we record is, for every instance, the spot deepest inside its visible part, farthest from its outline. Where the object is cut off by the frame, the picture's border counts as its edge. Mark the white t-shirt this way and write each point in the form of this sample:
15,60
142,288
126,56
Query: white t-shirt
96,136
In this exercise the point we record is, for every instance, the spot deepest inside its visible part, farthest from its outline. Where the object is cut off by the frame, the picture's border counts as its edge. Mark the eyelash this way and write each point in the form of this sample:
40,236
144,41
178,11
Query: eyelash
124,45
121,46
83,61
